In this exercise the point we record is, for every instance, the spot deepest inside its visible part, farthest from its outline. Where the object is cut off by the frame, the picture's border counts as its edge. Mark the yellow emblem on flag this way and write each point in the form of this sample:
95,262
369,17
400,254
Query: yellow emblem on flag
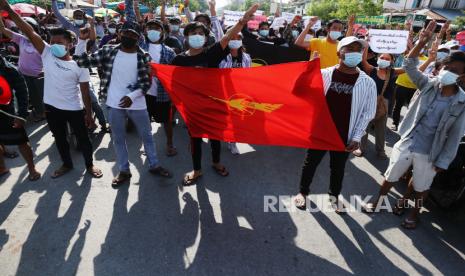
244,105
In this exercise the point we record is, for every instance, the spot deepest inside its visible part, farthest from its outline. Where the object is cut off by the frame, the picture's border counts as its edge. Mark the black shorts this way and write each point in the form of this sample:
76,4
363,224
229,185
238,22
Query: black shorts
10,135
161,112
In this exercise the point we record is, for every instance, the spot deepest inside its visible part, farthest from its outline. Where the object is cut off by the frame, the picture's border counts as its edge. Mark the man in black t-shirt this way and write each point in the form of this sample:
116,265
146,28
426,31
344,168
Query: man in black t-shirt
200,55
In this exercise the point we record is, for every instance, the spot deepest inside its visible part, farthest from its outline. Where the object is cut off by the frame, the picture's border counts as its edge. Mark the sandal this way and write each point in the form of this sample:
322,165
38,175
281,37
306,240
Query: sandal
61,171
221,171
398,210
189,179
358,153
120,178
95,172
34,176
300,202
171,151
409,224
161,172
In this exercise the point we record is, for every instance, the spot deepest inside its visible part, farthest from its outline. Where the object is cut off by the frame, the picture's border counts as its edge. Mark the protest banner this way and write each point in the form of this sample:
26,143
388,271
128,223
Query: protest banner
315,27
388,41
278,22
371,20
232,17
288,15
273,8
253,25
460,37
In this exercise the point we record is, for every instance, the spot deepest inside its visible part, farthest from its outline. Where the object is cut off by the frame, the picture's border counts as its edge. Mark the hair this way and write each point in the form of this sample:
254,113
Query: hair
332,22
155,22
175,20
79,11
204,15
455,56
264,23
62,32
196,25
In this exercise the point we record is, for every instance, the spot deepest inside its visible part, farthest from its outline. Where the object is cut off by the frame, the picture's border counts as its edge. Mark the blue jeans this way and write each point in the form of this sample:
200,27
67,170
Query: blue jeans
96,108
140,118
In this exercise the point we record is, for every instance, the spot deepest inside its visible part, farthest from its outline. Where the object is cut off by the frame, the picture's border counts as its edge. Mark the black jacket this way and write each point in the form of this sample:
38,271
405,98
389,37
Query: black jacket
18,87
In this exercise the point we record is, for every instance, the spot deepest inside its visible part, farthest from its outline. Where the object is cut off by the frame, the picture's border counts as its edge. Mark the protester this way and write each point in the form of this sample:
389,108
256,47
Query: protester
125,81
351,98
384,76
158,102
238,58
431,129
12,130
79,19
112,33
30,66
66,87
200,55
212,23
325,47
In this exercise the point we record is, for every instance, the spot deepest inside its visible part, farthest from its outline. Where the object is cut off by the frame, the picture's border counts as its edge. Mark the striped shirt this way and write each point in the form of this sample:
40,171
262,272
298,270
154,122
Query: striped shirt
363,102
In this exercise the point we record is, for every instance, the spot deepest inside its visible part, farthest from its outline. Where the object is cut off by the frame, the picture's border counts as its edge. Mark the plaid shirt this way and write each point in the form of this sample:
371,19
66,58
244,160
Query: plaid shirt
104,59
166,56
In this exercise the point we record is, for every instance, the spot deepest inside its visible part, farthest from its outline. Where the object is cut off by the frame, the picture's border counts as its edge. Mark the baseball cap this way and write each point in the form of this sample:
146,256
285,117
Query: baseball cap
451,44
132,27
349,40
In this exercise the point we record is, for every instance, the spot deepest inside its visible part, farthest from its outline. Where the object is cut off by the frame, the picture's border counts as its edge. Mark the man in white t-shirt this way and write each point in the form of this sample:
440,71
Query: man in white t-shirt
125,81
66,92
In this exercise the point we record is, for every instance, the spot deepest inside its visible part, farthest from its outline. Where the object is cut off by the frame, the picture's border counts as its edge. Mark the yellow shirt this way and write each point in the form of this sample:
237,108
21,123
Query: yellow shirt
403,79
326,50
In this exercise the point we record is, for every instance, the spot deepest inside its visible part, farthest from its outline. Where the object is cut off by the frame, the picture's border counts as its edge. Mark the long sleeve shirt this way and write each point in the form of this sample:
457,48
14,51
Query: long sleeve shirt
64,22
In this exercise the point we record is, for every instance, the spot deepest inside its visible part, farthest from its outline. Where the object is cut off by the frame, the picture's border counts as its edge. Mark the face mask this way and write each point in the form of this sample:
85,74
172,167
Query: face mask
79,22
128,42
181,30
334,35
174,28
383,63
295,33
58,50
441,55
235,44
196,41
447,77
153,35
352,59
112,30
264,33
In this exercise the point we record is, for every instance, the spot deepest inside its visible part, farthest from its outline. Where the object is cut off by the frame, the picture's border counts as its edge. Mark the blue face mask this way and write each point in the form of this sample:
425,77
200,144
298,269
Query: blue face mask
174,28
264,33
352,59
441,55
295,33
79,22
196,41
235,44
153,35
334,35
58,50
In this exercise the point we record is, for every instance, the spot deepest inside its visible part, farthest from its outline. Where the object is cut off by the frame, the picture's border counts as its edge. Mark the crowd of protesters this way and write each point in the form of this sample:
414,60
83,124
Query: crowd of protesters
52,82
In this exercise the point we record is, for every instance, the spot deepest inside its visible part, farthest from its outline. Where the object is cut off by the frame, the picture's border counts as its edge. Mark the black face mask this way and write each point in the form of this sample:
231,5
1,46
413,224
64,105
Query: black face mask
128,42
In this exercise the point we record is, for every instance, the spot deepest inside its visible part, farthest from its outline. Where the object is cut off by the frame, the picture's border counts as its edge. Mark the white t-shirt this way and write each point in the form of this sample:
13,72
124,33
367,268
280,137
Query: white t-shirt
124,74
81,47
61,81
155,53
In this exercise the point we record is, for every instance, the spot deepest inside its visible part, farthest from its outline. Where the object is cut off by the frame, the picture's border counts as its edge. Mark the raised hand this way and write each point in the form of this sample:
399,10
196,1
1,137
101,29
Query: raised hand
427,33
186,3
351,20
249,13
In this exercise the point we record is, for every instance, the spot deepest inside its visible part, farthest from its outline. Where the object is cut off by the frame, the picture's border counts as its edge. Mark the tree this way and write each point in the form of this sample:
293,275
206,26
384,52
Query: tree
341,9
459,21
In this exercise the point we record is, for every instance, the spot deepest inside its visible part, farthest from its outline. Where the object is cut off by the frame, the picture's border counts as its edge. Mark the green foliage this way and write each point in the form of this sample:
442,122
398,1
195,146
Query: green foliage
459,21
341,9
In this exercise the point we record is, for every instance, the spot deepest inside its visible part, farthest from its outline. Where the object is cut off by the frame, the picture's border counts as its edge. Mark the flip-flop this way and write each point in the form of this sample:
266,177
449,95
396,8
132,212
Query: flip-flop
161,172
171,151
34,177
187,181
223,172
60,172
120,179
97,173
299,204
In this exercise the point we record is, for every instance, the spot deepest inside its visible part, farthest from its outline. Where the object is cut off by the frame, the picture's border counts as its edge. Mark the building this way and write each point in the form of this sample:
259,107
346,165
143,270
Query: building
447,9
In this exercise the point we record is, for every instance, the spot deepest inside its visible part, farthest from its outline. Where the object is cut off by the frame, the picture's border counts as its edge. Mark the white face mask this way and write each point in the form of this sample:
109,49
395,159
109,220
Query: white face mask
383,63
235,44
447,77
441,55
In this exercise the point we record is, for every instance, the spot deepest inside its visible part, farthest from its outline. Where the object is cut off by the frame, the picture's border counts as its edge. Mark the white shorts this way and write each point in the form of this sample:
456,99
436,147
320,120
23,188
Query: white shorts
402,158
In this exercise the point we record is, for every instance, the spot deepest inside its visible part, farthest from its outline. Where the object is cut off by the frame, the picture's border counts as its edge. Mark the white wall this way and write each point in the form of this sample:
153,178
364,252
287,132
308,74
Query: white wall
401,5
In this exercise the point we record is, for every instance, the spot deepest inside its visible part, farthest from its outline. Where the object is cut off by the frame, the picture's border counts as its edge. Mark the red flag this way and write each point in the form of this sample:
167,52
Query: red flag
274,105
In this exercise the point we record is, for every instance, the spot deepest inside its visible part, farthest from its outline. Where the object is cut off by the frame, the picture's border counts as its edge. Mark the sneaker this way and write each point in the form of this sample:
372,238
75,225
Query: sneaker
358,152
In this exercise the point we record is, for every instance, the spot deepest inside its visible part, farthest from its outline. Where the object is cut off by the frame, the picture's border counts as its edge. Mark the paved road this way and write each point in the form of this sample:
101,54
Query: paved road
79,225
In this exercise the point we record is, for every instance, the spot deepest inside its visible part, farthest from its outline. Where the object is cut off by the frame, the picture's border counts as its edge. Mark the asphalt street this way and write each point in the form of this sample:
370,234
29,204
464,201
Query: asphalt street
154,226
